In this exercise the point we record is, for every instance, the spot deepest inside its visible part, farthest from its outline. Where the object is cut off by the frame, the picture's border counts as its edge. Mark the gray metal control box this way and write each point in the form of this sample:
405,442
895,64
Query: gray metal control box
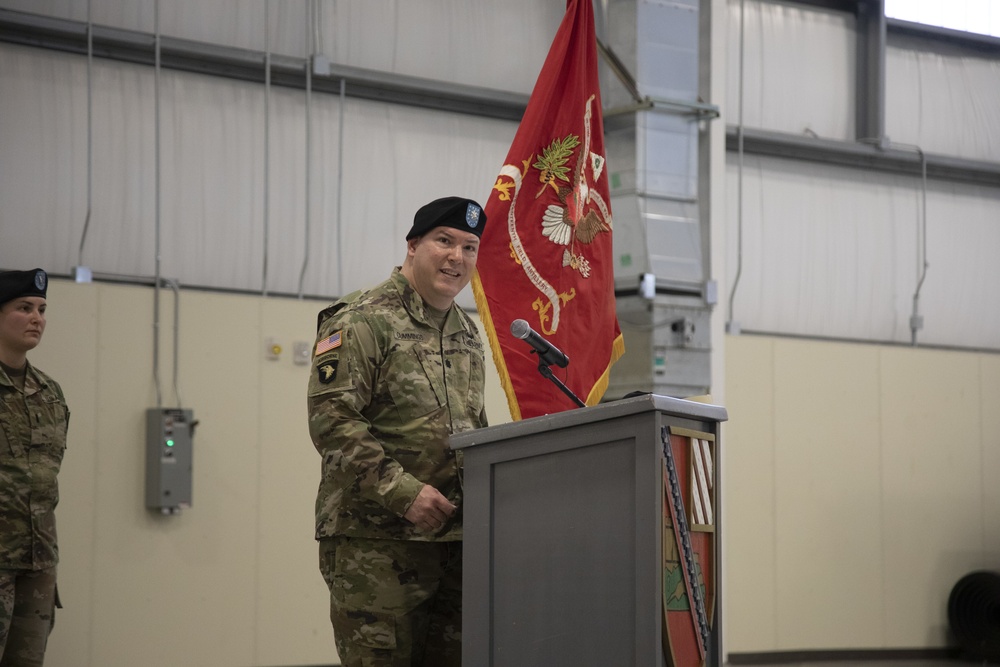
169,439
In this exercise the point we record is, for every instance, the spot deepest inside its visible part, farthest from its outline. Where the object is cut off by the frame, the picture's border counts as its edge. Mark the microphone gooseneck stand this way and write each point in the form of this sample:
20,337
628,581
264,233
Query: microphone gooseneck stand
544,369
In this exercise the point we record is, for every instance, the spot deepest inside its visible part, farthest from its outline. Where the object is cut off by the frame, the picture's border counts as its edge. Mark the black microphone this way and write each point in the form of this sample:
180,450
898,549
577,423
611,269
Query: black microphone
548,353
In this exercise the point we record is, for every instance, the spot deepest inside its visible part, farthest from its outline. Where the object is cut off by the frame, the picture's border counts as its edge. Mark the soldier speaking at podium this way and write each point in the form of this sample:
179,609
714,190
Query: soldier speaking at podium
397,369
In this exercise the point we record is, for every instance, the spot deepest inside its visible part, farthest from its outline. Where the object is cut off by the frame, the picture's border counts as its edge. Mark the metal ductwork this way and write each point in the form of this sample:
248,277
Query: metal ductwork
653,121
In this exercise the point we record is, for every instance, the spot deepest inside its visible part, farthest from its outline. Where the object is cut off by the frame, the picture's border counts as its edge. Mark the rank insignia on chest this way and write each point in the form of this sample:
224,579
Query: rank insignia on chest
326,370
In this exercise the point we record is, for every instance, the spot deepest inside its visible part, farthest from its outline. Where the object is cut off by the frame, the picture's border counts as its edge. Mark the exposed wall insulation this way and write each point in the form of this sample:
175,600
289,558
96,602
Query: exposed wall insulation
829,251
944,102
799,67
489,44
212,149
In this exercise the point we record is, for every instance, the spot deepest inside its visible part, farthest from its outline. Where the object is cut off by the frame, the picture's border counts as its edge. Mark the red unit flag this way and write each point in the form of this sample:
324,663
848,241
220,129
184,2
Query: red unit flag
546,256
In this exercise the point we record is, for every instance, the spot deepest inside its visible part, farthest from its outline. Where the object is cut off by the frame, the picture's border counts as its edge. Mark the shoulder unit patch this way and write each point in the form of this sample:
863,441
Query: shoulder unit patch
326,370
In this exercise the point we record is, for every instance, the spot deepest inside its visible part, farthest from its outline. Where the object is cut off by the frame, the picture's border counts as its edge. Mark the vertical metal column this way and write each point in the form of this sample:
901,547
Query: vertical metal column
870,101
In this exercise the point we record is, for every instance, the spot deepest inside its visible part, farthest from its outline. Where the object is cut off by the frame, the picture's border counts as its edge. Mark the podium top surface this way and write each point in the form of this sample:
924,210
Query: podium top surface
627,406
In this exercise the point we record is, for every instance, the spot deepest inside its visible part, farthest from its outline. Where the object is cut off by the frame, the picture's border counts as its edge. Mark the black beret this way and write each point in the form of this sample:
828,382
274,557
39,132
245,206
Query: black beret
457,212
14,284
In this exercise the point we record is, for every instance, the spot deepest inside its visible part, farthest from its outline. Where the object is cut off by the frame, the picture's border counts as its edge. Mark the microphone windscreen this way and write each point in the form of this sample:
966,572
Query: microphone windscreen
519,329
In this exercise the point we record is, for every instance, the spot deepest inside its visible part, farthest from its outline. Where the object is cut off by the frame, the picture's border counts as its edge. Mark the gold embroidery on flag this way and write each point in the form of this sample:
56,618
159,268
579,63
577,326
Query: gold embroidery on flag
579,217
543,309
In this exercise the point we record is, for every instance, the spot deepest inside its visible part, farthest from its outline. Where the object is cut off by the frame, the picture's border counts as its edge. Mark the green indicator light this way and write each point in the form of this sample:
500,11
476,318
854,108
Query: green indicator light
170,443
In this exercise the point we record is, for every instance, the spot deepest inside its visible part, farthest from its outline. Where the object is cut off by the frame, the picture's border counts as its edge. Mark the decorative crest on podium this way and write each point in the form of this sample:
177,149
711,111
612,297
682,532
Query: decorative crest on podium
688,538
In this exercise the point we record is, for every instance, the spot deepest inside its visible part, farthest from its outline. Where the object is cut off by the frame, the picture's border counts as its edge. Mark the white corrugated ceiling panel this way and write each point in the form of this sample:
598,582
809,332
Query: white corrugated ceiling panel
829,251
497,45
944,103
798,66
212,176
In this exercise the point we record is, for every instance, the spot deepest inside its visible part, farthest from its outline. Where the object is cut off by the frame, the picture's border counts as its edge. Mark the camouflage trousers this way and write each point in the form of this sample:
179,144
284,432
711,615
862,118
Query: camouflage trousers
27,614
394,603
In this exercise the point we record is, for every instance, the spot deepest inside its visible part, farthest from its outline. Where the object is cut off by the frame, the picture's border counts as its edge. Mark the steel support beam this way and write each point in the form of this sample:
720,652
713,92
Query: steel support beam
870,77
987,45
248,65
862,156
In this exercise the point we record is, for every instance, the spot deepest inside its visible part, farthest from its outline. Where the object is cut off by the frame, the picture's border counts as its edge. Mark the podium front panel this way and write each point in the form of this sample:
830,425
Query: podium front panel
545,535
563,517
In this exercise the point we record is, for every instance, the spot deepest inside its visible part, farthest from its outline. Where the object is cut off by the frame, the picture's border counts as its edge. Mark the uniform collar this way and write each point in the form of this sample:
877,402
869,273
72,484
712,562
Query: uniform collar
32,380
417,308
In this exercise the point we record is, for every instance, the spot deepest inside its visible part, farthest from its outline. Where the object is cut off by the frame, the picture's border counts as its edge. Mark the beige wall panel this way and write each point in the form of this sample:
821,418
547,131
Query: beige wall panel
827,514
990,469
747,489
884,474
124,546
68,352
208,546
292,599
932,487
162,581
139,584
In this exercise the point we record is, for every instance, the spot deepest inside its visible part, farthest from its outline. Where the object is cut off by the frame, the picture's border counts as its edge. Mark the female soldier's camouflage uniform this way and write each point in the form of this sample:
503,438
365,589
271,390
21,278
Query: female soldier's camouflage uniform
33,423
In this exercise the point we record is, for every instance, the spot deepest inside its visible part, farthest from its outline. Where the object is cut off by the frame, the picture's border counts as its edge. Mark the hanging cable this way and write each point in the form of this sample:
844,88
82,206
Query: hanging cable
156,189
732,326
312,50
317,44
175,286
158,280
340,188
90,132
916,321
267,138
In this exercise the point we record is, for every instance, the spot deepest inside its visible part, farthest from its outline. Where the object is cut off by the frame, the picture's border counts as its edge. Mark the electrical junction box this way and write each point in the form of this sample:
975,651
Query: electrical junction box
169,439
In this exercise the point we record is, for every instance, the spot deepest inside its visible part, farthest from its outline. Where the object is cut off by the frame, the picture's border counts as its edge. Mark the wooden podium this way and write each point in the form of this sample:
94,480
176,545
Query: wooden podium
592,537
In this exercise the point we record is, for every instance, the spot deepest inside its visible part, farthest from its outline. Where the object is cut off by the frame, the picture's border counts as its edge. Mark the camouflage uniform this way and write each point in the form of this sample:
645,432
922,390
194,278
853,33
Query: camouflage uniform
33,428
386,389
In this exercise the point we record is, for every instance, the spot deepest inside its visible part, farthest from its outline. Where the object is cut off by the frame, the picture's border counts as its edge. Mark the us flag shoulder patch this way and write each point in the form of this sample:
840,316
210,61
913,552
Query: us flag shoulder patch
331,342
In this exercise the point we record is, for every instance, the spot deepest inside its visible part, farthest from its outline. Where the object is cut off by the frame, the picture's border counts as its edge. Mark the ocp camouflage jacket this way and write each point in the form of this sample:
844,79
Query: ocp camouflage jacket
386,389
33,429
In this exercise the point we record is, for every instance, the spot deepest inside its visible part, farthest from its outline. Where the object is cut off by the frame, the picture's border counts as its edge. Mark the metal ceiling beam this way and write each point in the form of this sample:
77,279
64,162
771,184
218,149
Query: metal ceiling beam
988,44
862,156
248,65
985,44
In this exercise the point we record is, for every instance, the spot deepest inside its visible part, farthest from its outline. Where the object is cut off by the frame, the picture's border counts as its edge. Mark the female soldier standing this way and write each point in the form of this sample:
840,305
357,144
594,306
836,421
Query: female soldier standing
33,423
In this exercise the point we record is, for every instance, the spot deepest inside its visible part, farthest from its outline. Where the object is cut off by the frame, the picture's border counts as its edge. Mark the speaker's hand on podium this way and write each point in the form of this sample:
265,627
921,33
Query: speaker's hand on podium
429,510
